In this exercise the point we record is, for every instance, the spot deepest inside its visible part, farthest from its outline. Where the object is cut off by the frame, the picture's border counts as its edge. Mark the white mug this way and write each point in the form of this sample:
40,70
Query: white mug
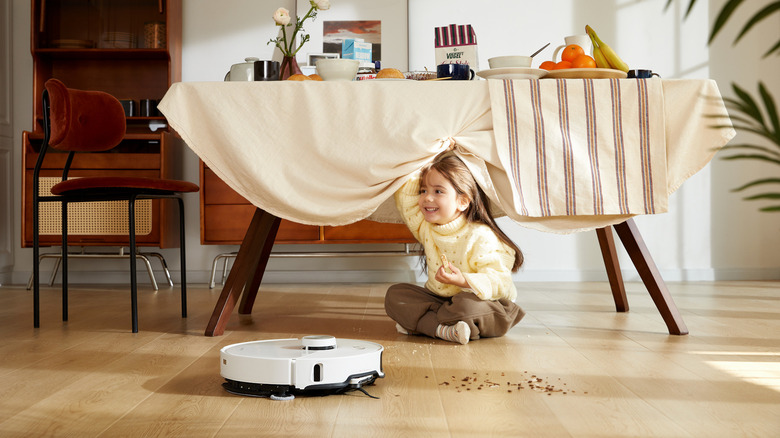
580,40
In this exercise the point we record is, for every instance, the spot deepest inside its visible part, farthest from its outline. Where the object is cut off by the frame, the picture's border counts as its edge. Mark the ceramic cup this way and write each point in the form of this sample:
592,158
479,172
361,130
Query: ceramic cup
129,106
266,70
148,108
458,72
642,74
580,40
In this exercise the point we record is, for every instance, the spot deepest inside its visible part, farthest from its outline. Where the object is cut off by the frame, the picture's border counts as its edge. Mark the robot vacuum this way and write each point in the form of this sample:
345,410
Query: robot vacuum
313,365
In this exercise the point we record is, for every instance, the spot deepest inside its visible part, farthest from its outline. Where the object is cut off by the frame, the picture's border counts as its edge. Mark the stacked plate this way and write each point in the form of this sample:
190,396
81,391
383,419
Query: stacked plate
118,40
512,73
72,44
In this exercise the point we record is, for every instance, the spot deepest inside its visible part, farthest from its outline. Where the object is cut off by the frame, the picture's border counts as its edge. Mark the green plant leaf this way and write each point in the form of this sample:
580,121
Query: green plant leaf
760,15
757,183
772,208
762,196
723,17
753,147
690,7
769,106
749,107
749,122
775,48
752,157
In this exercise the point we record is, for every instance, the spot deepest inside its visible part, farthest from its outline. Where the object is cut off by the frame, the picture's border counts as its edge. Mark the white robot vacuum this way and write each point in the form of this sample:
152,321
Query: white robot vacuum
313,365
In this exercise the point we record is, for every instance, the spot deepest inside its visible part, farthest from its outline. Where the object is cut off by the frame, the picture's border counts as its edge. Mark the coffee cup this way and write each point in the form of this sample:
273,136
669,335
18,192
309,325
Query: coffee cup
580,40
148,108
266,70
129,106
642,74
458,72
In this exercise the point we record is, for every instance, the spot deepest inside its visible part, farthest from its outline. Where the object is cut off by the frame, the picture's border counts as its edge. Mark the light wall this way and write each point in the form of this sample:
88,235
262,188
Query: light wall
709,232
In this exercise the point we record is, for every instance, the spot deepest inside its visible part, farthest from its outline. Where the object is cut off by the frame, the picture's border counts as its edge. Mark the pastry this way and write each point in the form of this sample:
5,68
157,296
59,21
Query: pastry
390,73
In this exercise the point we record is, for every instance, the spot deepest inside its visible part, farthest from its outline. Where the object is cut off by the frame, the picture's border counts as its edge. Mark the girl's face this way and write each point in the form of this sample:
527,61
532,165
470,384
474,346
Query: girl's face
439,202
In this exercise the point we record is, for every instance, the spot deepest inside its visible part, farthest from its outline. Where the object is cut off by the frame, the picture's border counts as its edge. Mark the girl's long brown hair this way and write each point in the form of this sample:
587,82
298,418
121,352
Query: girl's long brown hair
456,172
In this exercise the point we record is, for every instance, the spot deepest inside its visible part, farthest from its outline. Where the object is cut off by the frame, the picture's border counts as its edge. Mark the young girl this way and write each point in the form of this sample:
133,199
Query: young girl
469,293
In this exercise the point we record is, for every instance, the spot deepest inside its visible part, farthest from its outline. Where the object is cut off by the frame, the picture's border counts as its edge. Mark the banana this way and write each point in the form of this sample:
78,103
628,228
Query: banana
598,56
607,52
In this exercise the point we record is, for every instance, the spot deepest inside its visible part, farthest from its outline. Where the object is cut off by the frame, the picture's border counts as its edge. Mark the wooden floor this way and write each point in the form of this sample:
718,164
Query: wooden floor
572,367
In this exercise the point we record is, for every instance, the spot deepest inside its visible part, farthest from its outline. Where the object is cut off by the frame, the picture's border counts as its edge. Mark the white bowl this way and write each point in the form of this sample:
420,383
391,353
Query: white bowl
510,61
338,69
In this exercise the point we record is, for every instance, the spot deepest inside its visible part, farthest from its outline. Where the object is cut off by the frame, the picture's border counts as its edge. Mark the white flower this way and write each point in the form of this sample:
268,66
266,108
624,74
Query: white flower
282,17
322,5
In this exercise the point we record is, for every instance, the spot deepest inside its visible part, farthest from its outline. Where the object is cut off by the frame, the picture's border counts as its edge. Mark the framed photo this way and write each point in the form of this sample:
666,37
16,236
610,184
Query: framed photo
383,24
312,58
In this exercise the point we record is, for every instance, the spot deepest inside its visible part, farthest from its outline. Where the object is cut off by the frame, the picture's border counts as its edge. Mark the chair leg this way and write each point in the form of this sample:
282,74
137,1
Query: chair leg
64,225
183,261
36,268
133,280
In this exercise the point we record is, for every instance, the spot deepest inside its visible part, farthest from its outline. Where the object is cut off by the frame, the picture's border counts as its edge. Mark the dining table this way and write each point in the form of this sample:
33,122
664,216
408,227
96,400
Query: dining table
555,155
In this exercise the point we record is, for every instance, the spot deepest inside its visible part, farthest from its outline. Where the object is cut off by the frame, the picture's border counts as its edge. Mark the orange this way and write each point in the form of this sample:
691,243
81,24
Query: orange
547,65
562,65
299,77
583,61
571,52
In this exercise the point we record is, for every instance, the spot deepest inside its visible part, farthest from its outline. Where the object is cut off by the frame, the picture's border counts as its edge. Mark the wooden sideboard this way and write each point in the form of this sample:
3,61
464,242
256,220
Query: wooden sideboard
225,216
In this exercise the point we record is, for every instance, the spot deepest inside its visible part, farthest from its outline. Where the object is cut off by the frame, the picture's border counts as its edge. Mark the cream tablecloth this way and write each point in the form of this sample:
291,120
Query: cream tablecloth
554,155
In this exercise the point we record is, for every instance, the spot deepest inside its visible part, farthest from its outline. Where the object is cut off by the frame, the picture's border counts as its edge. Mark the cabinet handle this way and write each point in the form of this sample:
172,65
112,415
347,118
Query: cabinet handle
160,5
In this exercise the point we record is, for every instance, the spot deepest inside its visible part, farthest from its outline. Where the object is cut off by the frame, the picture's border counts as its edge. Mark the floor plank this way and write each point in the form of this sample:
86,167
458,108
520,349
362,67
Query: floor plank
572,367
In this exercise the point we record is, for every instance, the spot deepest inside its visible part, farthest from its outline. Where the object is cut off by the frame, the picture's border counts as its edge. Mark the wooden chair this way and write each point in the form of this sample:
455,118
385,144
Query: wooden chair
94,121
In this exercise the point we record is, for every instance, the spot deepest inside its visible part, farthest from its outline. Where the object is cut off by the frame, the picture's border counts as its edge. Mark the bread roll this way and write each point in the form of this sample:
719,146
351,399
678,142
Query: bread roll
390,73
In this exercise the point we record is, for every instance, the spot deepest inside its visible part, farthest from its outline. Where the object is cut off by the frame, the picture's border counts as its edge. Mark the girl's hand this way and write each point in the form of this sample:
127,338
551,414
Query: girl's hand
452,276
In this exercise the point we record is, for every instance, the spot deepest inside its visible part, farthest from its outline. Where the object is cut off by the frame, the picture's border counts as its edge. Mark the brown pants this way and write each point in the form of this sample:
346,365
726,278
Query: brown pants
418,310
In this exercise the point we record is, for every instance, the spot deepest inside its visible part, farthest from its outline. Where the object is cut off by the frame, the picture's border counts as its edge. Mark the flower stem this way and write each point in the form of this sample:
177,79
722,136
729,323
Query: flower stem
298,27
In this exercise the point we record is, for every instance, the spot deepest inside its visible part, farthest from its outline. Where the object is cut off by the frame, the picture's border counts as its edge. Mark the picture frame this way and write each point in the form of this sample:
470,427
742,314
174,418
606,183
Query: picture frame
393,15
312,58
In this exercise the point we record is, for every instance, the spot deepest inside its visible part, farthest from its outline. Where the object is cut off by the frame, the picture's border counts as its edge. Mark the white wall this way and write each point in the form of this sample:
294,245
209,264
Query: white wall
6,143
709,232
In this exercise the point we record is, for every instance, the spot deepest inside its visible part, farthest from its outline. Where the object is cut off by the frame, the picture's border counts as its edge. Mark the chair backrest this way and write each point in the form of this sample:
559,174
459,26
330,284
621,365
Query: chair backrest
82,120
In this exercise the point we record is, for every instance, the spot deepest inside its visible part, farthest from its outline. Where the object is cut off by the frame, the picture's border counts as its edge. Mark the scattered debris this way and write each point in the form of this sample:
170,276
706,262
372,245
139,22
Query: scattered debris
534,383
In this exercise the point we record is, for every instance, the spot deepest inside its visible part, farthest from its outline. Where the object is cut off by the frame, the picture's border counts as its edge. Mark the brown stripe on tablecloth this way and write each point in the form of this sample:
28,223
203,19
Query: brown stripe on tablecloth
620,153
513,139
566,148
593,150
644,146
541,155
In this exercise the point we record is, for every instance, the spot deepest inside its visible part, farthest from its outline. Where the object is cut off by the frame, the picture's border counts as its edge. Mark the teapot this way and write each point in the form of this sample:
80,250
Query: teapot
253,69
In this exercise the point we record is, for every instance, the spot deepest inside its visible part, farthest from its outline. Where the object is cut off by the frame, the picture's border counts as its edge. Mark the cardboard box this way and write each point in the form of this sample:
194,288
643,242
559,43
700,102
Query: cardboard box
456,44
356,48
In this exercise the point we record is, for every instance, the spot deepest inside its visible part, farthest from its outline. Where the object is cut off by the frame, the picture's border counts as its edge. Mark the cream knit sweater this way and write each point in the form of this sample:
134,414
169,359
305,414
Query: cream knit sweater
474,248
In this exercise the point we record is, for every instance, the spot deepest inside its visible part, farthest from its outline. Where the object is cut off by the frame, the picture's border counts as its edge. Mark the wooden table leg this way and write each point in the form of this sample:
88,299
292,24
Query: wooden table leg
611,262
247,271
651,277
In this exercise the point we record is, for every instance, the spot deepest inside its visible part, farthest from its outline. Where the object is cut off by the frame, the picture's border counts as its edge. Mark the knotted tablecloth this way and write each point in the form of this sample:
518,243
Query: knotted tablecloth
554,155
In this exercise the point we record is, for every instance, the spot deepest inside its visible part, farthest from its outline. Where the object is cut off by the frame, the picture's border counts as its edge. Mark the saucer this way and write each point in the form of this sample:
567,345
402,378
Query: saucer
512,73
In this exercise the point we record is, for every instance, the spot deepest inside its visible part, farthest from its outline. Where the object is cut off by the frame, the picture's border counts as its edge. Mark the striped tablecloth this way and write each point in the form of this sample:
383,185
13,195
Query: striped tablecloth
582,147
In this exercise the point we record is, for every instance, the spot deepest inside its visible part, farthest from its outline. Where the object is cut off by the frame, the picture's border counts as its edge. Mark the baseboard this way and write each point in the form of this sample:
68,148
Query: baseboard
6,278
